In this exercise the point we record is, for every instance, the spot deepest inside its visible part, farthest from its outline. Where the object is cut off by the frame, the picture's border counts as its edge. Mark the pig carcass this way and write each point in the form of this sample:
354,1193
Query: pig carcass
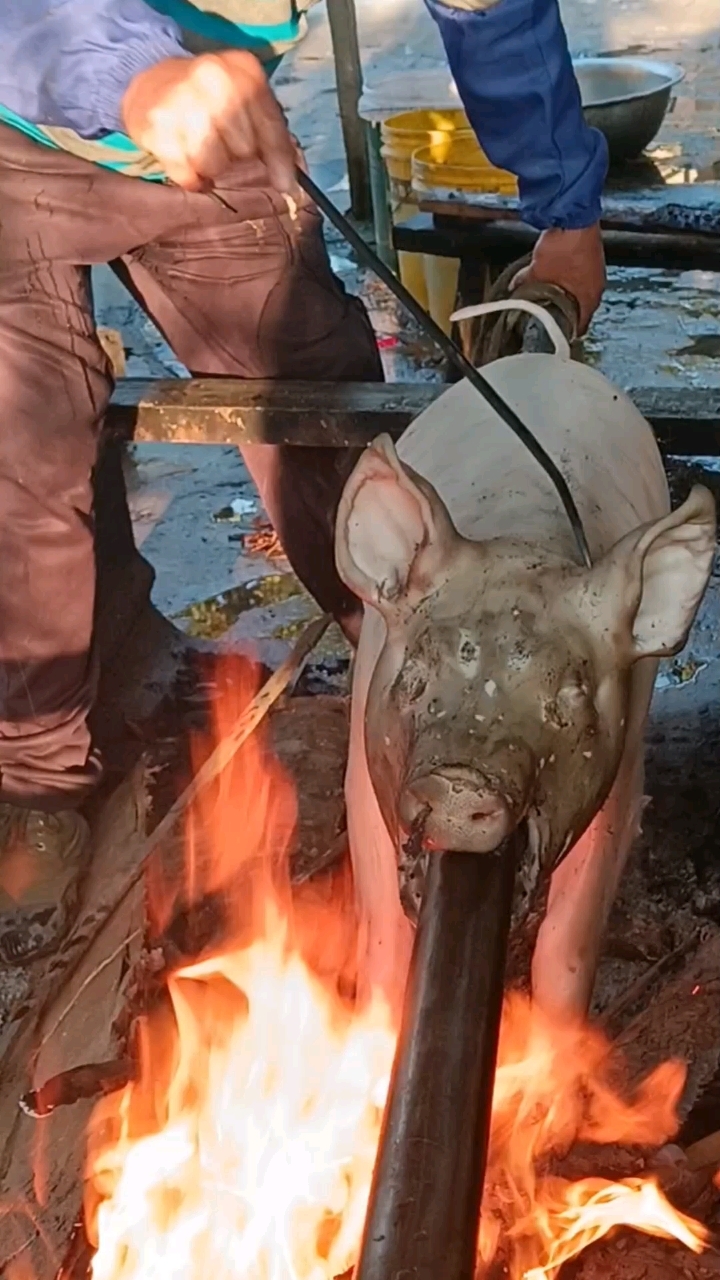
496,678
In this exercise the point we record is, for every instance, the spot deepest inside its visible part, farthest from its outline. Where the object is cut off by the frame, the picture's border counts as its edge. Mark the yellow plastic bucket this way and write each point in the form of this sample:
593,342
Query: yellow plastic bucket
454,162
457,163
402,135
423,151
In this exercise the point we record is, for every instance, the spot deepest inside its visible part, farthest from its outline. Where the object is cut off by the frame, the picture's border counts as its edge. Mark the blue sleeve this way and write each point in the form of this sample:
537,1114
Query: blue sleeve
67,63
514,74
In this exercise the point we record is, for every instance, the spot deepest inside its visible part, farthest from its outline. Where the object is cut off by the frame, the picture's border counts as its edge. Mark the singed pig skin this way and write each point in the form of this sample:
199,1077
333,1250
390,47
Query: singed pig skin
496,678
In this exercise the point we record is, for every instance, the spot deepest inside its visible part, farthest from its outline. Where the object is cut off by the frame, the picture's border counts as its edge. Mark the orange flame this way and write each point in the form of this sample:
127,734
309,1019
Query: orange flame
557,1085
245,1148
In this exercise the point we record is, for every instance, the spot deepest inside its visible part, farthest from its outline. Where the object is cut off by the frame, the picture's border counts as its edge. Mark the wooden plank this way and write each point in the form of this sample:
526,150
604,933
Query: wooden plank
690,210
236,412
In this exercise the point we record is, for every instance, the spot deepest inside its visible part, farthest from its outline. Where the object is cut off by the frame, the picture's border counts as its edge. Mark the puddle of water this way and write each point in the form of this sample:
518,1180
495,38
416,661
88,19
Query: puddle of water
210,619
707,345
681,671
237,511
664,322
273,611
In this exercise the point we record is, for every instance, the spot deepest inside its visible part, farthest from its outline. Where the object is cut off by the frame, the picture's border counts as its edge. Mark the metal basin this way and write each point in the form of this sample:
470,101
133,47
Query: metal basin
626,99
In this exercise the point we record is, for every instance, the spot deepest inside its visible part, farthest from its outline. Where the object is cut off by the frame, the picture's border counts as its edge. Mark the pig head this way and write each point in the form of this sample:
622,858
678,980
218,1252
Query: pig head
501,690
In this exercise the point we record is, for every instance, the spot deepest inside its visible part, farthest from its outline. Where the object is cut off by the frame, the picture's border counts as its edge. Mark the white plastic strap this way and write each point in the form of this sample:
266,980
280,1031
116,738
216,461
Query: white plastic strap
551,327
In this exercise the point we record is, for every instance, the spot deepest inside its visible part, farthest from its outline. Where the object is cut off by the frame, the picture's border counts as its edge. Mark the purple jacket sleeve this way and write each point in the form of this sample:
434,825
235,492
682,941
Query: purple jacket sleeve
67,63
514,75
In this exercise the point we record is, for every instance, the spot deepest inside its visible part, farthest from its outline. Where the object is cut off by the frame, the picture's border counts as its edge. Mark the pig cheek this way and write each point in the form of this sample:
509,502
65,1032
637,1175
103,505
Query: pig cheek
612,704
572,786
388,752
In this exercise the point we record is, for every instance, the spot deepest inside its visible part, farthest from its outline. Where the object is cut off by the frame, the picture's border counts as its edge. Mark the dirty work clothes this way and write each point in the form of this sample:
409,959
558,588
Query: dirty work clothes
64,68
248,294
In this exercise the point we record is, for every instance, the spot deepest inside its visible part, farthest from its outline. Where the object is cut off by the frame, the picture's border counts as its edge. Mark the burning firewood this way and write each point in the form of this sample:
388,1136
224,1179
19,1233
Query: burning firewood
69,1087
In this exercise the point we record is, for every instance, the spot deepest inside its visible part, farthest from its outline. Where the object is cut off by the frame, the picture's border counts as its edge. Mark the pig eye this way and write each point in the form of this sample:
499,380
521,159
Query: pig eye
412,682
574,692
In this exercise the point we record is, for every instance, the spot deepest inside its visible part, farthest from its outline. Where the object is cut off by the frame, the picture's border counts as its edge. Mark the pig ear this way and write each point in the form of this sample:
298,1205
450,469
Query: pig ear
657,576
393,535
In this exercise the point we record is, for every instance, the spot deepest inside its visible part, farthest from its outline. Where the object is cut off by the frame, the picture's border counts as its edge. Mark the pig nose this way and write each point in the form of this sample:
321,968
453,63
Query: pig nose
464,813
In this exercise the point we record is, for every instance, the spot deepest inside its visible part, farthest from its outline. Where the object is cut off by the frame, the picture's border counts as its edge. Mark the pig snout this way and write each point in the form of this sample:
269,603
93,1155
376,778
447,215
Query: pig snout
462,810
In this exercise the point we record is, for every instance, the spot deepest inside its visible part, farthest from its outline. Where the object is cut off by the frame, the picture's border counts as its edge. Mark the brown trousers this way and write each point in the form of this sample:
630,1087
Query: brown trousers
243,292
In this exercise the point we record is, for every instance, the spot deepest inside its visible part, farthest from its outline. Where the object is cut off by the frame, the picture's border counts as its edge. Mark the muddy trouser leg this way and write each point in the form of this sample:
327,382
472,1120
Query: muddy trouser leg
248,293
252,295
54,386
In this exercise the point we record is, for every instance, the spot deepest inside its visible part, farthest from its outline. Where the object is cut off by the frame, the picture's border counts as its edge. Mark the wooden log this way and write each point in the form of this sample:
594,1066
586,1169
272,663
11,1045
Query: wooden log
690,1191
244,411
237,411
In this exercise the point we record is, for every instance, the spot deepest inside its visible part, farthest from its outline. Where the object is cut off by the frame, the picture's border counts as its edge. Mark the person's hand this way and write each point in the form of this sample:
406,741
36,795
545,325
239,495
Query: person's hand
198,116
573,260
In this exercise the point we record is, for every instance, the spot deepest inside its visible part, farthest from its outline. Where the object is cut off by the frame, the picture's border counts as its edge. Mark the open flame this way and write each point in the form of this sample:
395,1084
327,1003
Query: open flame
244,1150
556,1085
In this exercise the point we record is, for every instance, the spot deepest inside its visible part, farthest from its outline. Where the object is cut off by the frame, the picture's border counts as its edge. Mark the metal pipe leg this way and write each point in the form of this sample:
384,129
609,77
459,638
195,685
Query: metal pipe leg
424,1209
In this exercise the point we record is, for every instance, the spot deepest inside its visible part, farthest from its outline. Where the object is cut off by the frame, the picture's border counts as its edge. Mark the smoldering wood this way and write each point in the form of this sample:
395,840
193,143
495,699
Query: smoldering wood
636,1257
613,1017
78,1255
222,755
681,1019
92,1080
338,415
692,1192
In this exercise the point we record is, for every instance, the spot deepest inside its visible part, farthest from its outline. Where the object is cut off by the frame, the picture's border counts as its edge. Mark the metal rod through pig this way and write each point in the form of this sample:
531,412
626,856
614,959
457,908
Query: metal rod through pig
424,1210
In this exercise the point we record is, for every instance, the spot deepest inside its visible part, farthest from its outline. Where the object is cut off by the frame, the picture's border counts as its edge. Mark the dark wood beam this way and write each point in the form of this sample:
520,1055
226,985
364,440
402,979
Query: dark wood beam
235,412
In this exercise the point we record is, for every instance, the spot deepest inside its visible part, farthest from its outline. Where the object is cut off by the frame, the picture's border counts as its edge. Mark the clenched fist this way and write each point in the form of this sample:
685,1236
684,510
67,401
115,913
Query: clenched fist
575,261
198,116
